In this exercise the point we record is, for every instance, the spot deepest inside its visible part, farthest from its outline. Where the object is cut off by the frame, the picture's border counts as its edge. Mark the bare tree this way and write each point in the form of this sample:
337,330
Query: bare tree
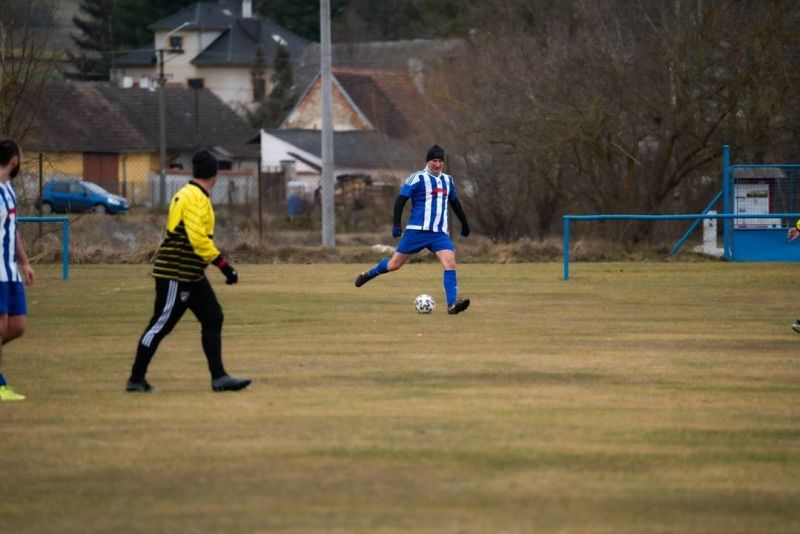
619,106
26,64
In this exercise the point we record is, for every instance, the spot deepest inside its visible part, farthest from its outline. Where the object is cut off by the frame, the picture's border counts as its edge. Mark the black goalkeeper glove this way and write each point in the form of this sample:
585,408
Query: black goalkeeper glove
231,276
465,230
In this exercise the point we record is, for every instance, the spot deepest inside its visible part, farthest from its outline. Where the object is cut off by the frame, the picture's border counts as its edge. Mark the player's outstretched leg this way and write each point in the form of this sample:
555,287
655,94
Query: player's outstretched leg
459,306
454,304
381,268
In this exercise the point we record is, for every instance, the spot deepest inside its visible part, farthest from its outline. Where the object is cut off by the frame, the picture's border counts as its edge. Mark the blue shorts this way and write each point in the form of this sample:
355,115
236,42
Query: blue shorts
12,298
415,240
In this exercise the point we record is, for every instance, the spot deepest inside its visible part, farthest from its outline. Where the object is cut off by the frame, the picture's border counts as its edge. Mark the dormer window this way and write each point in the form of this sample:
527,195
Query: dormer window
176,44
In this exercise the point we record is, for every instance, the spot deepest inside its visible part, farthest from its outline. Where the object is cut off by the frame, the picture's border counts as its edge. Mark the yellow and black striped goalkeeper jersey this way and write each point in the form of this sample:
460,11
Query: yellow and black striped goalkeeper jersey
189,244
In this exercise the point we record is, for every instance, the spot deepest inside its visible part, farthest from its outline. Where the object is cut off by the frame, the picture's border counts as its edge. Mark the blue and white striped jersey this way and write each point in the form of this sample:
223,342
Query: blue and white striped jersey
8,234
429,195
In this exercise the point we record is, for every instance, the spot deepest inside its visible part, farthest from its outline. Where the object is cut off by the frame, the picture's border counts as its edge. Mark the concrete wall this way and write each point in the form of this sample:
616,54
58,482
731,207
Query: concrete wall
231,84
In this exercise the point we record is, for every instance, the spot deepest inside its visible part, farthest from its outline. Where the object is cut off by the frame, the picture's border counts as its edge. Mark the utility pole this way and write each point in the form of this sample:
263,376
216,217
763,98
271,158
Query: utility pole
162,120
162,133
328,197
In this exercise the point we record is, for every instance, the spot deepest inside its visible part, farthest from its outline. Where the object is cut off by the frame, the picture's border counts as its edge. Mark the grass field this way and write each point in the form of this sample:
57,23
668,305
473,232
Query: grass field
635,397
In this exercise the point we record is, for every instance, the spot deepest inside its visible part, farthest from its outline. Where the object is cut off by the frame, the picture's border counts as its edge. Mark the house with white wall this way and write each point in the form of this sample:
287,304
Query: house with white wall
223,47
355,152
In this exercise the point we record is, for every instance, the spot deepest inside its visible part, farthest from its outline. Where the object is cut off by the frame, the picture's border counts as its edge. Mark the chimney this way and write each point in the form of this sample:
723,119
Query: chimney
247,9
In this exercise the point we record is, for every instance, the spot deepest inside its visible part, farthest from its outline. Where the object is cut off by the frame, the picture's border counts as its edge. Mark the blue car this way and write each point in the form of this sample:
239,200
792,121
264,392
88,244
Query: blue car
62,196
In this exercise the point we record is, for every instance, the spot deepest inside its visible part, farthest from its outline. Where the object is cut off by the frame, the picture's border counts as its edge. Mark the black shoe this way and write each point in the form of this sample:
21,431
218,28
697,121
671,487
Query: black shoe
458,307
228,383
363,278
139,387
796,326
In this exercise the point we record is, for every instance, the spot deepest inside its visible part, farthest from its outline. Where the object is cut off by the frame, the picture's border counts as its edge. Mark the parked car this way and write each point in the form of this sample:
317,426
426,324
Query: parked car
63,196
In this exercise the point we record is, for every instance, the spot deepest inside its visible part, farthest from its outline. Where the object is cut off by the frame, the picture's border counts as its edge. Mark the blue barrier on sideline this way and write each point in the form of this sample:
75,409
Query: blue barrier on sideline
64,239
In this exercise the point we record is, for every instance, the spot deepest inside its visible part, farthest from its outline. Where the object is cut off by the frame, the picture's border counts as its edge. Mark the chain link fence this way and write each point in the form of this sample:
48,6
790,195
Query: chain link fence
274,197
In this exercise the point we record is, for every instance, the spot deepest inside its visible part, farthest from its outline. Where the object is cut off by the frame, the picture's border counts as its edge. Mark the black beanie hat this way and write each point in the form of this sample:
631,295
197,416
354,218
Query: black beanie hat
434,152
204,164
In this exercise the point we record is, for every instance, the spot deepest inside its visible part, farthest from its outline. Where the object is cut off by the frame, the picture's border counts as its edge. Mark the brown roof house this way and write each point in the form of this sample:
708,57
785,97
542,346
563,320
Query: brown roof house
366,99
380,122
111,135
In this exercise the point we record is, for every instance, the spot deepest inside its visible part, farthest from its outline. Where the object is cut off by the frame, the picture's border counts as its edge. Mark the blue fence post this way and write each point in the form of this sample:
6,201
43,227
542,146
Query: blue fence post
726,201
566,247
65,249
64,239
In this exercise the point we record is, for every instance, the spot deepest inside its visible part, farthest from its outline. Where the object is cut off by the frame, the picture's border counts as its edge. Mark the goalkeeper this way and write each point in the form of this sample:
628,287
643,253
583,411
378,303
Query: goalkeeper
179,272
430,191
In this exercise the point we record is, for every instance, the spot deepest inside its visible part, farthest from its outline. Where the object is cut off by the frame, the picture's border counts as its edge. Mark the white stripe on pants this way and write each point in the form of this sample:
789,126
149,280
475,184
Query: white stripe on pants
172,293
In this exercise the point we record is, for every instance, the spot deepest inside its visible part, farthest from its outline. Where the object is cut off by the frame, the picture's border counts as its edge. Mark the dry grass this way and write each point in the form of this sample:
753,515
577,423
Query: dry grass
635,397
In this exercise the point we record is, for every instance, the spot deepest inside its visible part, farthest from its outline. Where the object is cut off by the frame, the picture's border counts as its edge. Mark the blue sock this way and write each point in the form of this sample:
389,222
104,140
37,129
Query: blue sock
381,268
450,287
2,380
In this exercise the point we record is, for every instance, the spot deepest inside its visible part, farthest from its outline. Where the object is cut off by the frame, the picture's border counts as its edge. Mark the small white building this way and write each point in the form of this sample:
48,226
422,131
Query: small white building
386,161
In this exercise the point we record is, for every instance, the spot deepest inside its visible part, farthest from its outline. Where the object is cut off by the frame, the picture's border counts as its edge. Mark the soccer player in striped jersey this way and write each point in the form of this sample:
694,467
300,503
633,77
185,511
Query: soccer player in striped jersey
181,283
430,191
14,266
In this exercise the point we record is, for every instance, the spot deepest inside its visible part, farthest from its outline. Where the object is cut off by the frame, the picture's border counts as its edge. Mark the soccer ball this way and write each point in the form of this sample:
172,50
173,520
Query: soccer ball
424,303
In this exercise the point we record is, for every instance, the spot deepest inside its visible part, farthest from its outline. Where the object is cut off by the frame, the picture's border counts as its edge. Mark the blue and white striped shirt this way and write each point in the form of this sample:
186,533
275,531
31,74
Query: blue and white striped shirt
429,195
8,234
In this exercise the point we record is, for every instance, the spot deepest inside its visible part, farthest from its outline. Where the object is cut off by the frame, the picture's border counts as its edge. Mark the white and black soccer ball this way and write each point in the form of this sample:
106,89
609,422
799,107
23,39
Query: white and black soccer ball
424,303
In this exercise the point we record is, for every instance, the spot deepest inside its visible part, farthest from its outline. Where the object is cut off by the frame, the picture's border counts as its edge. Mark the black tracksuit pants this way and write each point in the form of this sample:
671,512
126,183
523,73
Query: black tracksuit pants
173,298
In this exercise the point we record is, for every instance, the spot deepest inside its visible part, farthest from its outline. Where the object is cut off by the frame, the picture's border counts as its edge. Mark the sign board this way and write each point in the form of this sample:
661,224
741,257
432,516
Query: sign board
753,198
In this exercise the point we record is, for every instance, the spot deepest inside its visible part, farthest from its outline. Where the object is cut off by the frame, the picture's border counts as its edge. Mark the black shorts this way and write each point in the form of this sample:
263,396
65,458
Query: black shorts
173,298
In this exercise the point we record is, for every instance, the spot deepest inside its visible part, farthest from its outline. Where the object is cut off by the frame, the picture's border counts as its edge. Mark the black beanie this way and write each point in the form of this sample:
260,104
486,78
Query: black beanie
435,152
204,164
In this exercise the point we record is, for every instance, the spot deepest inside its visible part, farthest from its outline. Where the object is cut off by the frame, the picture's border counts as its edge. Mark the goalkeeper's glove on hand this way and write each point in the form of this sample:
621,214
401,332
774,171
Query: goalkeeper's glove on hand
465,230
397,231
231,276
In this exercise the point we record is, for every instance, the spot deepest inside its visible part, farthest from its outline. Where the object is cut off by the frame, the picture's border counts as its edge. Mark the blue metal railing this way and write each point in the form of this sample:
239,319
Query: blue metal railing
687,216
64,239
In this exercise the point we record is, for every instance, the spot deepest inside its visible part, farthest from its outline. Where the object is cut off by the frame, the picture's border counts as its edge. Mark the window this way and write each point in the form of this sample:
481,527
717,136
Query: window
77,189
195,83
176,43
259,89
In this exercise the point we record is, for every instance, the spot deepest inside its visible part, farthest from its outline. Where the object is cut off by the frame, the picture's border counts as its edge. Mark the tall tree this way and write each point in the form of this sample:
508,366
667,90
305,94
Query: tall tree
271,112
299,16
96,39
367,20
620,106
390,20
26,64
109,28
